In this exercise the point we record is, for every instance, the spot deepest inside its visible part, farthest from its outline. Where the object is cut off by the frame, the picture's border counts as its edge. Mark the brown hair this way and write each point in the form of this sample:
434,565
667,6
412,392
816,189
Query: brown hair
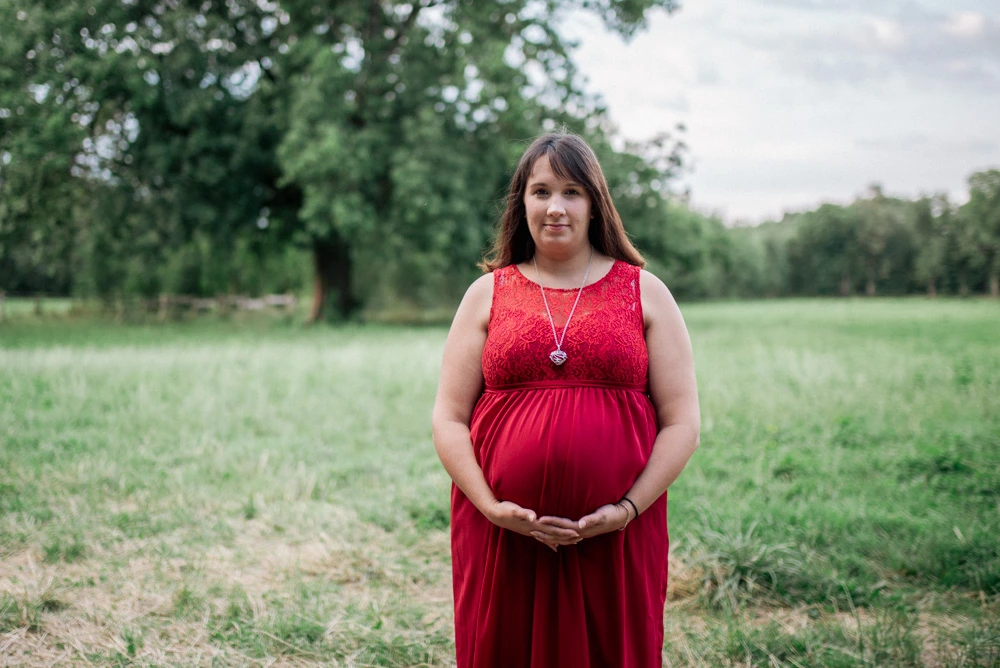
572,159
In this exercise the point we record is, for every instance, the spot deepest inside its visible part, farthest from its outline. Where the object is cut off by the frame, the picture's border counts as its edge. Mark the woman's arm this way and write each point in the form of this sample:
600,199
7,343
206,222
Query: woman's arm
673,390
459,389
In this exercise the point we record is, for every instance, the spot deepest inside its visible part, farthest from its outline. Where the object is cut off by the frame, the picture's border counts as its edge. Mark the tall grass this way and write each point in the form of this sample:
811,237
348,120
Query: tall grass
259,493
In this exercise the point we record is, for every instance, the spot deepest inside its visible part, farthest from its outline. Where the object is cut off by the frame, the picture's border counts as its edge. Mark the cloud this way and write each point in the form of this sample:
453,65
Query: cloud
827,6
677,102
863,47
925,142
909,140
707,73
888,33
790,102
966,24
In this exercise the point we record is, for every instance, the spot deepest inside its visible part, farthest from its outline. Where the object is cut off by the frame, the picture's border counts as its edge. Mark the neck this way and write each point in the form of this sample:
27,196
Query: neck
571,264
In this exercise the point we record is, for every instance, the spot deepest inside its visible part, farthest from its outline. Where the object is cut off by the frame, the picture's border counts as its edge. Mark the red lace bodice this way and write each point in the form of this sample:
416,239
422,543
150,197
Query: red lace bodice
605,342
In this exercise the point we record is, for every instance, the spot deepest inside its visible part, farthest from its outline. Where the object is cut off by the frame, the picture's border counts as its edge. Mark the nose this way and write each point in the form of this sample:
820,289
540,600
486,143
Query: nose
556,208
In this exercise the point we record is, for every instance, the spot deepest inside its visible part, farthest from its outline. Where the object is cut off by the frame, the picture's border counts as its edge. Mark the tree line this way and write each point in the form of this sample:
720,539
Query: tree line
878,245
358,151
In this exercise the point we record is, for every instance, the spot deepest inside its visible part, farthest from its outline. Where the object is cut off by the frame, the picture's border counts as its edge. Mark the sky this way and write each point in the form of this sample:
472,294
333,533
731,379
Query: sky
790,103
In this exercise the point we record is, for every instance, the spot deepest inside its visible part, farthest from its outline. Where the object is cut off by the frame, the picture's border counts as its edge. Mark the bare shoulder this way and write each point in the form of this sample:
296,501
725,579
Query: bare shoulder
653,286
658,304
475,306
483,284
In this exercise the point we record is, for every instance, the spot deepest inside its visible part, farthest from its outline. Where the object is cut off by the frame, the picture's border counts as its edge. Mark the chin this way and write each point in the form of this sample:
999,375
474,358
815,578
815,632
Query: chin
553,246
561,242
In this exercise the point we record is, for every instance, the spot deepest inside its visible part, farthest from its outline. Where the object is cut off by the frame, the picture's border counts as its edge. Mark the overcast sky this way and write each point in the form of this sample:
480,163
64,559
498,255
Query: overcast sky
792,102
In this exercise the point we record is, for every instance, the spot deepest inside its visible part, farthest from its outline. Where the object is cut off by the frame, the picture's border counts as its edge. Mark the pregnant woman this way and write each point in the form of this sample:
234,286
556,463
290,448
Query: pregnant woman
566,408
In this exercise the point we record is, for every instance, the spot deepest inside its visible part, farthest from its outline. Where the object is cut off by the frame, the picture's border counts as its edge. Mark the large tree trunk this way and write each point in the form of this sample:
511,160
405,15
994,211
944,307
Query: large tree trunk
845,285
963,285
331,271
870,287
994,285
319,291
932,288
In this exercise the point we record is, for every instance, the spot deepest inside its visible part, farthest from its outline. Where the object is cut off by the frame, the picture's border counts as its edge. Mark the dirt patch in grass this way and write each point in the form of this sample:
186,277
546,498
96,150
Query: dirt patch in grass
150,601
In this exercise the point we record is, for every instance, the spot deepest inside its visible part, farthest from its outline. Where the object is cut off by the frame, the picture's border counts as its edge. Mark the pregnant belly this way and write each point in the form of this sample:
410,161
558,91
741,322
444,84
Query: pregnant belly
564,451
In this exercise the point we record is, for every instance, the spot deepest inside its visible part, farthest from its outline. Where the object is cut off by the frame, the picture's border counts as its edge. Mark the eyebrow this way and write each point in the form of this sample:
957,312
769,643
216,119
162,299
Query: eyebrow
569,184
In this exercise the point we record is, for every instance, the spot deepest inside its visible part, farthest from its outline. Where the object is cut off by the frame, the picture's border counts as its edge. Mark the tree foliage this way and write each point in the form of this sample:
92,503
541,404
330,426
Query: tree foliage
979,227
377,135
214,146
887,244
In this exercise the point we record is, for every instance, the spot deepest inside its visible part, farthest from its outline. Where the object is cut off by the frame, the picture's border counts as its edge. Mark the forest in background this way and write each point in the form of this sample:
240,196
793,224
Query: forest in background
359,151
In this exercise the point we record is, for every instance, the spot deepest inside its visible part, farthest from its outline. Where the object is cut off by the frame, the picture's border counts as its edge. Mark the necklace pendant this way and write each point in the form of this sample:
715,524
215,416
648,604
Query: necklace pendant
558,356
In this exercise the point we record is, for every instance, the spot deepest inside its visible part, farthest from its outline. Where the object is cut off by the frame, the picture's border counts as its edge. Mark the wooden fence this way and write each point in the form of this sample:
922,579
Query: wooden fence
166,305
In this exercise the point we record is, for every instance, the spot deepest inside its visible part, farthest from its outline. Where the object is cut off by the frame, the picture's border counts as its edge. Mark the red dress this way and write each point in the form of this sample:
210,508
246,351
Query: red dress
561,440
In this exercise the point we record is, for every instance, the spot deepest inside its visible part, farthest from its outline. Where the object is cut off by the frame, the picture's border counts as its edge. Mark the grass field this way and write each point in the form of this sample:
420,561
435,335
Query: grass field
259,493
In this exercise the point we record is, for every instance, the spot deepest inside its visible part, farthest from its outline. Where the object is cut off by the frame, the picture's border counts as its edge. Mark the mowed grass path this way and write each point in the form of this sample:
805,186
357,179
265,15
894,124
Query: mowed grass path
216,493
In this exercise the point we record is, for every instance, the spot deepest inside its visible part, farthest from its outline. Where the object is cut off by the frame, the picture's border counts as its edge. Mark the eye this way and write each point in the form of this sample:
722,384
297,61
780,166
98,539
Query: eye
572,191
539,191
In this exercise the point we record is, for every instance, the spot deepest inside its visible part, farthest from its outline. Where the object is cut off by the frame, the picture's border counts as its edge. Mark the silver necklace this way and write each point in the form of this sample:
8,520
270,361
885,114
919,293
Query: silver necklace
558,356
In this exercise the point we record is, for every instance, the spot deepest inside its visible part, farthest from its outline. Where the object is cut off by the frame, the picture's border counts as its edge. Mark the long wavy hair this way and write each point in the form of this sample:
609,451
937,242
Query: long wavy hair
572,159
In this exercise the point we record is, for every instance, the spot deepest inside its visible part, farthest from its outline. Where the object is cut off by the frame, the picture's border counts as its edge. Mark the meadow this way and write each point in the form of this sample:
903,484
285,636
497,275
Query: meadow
259,493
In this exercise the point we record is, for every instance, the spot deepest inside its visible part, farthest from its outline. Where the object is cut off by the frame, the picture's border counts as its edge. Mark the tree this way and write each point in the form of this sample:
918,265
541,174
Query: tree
402,127
142,112
37,199
980,218
824,255
377,134
931,219
639,178
880,219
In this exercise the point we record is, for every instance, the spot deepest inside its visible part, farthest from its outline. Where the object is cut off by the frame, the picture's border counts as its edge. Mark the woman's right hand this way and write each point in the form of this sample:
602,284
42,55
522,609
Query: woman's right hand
509,515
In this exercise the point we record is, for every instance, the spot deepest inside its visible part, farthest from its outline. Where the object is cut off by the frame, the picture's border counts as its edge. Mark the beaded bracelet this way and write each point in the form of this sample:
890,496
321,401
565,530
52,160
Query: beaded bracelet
625,498
628,515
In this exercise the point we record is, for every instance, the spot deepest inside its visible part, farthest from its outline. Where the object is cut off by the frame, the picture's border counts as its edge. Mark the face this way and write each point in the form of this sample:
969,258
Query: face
558,210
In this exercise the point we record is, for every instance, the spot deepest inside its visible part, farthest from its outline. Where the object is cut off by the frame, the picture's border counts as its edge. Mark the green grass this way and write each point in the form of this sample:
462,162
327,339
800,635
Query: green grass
248,491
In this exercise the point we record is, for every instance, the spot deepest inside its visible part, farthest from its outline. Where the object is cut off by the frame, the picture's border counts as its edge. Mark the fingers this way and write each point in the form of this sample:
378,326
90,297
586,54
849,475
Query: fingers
598,518
508,512
552,539
560,522
604,519
552,546
558,532
554,542
589,521
526,515
517,512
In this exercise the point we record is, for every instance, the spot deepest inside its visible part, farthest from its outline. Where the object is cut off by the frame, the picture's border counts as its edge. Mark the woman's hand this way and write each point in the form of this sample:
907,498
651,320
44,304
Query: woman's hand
607,518
509,515
556,531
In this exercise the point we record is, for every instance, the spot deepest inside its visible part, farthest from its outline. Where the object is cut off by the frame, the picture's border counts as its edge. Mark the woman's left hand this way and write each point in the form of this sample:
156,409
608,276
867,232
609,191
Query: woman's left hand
607,518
